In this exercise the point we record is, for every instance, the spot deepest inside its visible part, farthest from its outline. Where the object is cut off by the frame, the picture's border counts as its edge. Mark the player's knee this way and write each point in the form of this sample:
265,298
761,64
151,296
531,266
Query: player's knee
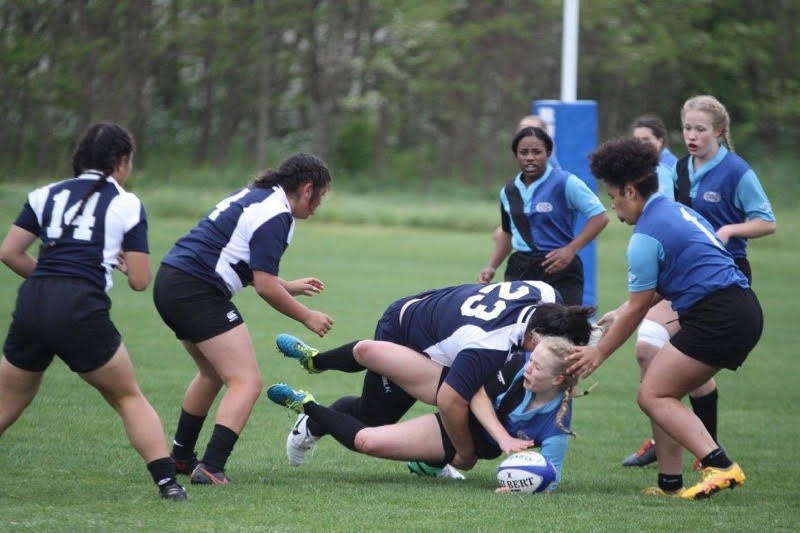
367,442
361,351
651,337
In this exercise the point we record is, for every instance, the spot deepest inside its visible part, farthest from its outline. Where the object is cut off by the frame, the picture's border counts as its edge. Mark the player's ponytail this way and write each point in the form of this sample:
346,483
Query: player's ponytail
101,148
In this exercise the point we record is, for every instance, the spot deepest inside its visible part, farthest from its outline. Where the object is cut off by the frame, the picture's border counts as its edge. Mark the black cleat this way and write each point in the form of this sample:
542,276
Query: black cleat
203,476
173,491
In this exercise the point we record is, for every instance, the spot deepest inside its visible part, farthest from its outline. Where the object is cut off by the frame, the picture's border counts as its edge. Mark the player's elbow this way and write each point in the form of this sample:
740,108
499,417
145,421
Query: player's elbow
139,281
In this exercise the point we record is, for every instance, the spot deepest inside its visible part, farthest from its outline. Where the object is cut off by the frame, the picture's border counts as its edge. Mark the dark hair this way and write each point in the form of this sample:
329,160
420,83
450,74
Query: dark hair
532,131
101,148
295,171
626,160
654,123
558,320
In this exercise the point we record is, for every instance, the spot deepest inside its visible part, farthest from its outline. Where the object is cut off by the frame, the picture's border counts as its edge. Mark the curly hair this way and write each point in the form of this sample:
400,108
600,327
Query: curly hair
626,160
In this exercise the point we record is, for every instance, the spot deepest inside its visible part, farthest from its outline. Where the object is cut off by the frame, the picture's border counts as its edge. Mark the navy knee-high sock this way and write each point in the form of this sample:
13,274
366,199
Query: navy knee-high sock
341,359
341,426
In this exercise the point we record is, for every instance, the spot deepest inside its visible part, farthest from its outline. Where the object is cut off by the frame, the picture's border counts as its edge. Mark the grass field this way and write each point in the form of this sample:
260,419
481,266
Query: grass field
67,466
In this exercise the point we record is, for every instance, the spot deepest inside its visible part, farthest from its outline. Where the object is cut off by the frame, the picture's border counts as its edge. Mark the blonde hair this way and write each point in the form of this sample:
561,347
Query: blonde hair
720,119
560,348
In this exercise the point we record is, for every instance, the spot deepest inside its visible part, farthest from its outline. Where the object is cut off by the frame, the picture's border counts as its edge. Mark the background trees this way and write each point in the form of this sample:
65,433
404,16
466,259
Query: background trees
395,89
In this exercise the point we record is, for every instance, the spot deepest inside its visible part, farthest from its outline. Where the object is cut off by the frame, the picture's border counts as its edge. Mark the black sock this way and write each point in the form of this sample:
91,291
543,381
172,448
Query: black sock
340,358
670,482
185,440
341,426
162,471
716,459
219,448
346,404
705,408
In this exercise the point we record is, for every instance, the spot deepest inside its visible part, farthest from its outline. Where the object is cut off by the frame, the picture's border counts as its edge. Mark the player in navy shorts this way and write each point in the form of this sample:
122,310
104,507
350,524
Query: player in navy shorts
675,254
239,243
88,225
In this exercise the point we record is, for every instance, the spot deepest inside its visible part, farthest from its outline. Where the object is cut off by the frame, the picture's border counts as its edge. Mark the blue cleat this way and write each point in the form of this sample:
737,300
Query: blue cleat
284,395
291,346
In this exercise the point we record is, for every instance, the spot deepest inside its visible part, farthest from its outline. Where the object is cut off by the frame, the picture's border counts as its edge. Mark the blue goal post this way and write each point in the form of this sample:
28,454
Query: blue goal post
573,126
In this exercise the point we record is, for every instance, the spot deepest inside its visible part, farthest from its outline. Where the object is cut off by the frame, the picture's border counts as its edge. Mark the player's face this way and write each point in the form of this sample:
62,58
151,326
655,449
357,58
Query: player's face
699,135
532,157
309,199
643,133
540,375
626,202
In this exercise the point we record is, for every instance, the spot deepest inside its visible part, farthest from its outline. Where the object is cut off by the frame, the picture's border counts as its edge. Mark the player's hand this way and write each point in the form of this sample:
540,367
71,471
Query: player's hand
122,265
304,287
319,323
557,260
514,445
607,320
463,462
486,275
584,360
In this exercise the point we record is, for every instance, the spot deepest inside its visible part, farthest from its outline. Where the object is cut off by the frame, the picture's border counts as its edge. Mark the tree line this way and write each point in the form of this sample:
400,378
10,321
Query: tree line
420,88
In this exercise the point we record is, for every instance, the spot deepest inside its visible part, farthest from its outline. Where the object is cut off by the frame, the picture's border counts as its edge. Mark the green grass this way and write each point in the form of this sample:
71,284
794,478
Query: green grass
67,465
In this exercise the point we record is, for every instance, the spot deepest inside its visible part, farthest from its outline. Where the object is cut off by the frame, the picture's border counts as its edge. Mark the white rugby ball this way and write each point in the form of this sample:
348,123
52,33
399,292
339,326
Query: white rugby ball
527,471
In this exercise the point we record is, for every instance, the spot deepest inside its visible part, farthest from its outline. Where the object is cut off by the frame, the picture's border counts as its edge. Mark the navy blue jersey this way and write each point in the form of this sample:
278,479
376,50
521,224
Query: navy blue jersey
247,231
85,246
479,318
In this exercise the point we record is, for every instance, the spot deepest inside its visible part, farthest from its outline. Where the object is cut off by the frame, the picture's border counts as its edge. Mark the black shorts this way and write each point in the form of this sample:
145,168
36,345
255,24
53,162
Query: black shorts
568,282
722,328
67,317
192,308
485,447
744,266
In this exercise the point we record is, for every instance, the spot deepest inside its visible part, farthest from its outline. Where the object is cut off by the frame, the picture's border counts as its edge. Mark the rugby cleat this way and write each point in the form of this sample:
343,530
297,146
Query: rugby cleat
299,442
421,468
644,456
658,491
714,480
291,346
284,395
172,491
202,475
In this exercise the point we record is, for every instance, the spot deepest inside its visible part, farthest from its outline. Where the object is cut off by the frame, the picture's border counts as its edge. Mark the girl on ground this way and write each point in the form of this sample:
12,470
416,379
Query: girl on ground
675,254
538,211
532,400
88,225
722,187
239,243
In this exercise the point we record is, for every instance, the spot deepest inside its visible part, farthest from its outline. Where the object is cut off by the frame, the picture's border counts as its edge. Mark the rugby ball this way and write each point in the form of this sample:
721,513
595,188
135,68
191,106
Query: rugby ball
527,471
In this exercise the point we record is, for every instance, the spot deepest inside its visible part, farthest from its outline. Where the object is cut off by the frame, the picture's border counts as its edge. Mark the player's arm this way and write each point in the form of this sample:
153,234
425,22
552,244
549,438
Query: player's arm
454,410
136,265
481,406
14,251
270,287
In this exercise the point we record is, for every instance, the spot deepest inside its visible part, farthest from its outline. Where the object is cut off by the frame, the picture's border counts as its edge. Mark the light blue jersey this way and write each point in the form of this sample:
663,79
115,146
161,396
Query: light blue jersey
675,251
725,190
551,204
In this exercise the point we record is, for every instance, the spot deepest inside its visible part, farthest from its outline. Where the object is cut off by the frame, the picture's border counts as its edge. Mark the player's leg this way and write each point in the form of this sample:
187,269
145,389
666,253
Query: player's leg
197,401
232,356
116,381
314,361
17,389
417,374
